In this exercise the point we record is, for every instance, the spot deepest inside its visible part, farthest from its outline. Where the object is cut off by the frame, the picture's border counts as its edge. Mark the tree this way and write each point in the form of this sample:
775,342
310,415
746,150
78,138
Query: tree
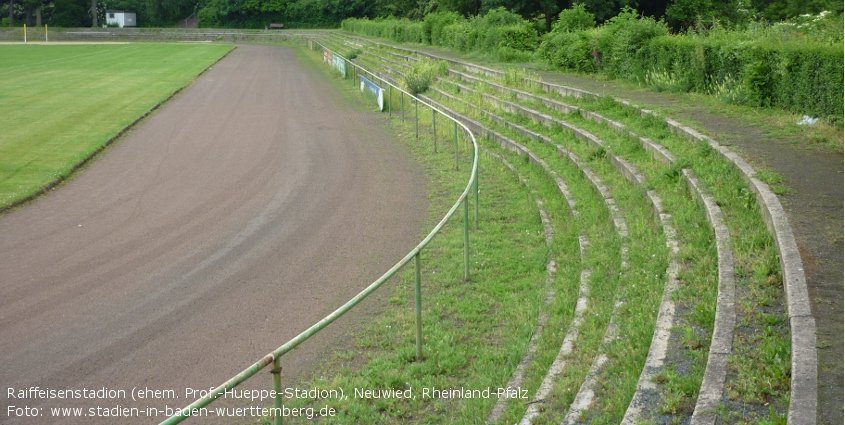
778,10
69,13
575,19
682,14
464,7
29,6
166,12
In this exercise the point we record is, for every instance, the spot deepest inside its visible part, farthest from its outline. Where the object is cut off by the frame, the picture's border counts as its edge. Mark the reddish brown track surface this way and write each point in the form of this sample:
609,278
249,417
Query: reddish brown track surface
242,212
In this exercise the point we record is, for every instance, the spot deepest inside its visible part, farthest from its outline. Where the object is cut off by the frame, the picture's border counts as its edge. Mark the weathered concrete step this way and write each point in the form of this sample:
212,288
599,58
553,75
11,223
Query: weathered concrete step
804,377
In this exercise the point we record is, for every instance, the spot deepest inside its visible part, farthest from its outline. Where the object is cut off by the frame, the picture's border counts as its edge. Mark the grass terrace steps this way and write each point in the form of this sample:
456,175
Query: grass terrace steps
558,365
664,156
621,227
518,378
659,151
713,384
524,152
804,360
611,327
725,314
761,330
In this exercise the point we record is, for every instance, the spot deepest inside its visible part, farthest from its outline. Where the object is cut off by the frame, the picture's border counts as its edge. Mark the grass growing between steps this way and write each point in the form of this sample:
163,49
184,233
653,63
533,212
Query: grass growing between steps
475,331
759,376
639,283
759,371
758,380
699,254
603,257
641,288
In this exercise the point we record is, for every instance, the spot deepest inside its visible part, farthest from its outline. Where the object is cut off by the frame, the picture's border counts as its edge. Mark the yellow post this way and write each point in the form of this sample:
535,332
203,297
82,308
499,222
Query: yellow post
46,37
24,33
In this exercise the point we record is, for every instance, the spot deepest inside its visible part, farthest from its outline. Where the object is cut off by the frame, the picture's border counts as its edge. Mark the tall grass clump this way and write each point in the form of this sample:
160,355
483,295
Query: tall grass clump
422,74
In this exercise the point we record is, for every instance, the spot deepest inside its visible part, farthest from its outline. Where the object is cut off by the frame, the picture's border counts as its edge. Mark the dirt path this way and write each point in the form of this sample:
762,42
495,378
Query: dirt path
238,215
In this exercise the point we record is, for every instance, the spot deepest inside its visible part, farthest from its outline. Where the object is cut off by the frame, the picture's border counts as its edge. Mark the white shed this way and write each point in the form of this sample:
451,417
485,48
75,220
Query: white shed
120,18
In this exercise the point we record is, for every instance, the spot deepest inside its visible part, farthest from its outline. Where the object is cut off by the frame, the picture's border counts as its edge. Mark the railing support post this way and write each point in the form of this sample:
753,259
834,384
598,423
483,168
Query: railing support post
417,117
466,238
456,145
403,108
278,419
434,127
418,303
476,194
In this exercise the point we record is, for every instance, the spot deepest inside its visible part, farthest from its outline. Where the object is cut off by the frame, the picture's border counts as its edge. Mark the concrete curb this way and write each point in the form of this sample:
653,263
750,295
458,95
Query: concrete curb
713,384
804,383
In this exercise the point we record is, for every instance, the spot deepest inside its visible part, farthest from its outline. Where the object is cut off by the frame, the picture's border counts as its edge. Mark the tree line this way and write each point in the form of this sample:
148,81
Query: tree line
678,14
86,13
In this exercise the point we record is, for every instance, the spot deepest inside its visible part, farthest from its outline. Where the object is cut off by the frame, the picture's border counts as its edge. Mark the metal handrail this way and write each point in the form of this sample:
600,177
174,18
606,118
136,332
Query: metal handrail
275,356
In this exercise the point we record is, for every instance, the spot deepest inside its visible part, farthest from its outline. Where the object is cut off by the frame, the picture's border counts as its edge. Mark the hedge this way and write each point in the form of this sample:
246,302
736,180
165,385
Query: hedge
804,78
506,35
802,75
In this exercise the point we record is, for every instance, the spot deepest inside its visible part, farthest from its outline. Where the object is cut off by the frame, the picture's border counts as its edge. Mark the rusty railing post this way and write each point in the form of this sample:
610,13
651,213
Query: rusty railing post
418,303
278,419
434,127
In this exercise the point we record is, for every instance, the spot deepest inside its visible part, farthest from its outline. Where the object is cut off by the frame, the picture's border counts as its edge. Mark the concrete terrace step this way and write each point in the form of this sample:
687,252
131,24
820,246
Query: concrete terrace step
802,324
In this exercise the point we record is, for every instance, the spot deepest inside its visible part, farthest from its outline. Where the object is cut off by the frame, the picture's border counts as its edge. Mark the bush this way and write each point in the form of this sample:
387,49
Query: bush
433,25
509,54
499,33
797,65
422,74
572,51
414,32
621,44
506,34
575,19
457,36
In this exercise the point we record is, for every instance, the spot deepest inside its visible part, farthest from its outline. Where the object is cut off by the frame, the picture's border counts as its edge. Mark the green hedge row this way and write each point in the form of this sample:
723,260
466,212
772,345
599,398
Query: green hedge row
805,78
505,35
802,75
798,74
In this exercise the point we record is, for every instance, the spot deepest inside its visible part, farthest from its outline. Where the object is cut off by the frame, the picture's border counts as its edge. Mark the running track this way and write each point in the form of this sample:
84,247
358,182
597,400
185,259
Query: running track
243,211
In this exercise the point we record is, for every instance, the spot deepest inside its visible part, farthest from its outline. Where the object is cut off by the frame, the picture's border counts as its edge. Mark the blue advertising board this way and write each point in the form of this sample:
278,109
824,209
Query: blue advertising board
377,91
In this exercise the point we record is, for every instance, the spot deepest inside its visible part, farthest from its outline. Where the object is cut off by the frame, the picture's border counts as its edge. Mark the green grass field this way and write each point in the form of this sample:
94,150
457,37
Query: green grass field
59,104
